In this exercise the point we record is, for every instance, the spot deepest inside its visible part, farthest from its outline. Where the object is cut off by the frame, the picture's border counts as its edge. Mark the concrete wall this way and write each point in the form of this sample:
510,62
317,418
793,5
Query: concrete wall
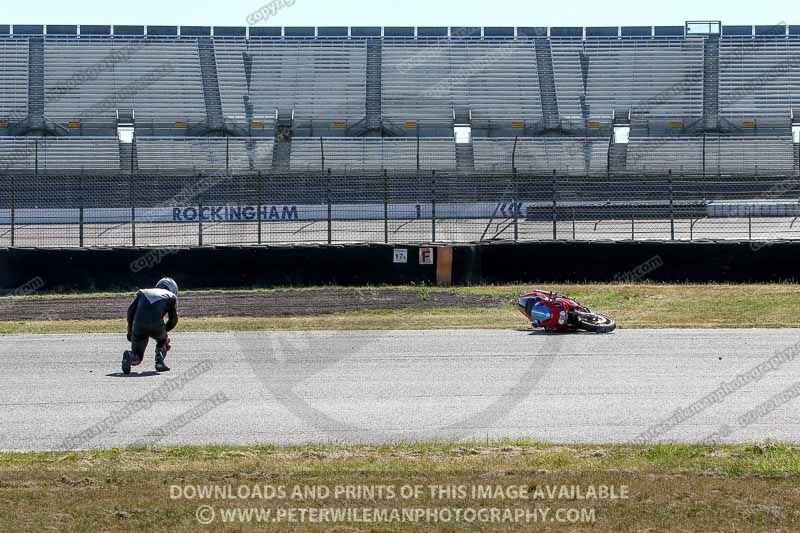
231,267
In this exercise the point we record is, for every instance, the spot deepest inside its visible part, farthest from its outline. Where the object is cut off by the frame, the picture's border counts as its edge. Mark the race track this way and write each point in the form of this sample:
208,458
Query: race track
365,387
168,234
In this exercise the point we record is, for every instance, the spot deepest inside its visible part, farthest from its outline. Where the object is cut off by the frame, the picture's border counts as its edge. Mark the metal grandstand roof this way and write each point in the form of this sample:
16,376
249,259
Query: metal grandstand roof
421,32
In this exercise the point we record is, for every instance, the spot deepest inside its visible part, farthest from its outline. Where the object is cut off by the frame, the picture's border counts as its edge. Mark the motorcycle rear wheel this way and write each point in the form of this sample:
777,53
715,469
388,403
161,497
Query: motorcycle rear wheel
594,323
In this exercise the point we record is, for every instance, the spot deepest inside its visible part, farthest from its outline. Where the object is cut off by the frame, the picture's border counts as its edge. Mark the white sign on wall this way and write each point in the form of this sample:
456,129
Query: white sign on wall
426,256
400,255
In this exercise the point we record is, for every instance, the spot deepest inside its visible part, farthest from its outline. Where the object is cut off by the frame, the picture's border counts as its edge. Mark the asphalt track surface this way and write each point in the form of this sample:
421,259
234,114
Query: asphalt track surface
368,387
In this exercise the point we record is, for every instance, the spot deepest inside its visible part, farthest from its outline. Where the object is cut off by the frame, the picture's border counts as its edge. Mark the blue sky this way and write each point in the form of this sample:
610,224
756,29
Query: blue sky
401,13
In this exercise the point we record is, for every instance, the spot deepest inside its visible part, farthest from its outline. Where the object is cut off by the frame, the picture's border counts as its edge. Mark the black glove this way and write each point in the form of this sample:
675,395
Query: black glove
129,336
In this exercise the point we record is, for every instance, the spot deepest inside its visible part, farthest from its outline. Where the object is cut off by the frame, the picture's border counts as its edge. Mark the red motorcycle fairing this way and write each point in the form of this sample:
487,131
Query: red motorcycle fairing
559,306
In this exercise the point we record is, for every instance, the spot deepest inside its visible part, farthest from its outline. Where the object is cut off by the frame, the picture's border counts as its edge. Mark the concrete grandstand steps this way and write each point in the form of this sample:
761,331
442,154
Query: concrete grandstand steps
248,109
711,84
617,157
462,116
208,68
372,123
547,84
390,129
285,117
465,157
126,116
281,156
374,85
36,82
127,156
359,129
585,106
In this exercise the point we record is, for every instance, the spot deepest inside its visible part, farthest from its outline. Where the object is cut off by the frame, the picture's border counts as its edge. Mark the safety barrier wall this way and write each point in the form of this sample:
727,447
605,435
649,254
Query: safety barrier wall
56,270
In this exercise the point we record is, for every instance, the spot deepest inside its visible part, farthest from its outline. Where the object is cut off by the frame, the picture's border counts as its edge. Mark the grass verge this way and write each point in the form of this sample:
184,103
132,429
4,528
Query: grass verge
634,306
668,487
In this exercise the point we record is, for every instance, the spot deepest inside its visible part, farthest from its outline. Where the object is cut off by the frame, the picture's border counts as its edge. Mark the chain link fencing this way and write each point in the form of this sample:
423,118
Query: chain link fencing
383,207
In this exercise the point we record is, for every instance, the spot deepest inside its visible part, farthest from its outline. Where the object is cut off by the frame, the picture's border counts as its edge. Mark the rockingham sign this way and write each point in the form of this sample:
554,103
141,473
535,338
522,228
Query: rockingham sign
357,212
266,213
235,213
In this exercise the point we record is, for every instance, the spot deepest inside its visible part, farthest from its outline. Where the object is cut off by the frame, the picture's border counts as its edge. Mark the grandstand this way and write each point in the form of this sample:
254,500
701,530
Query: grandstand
571,156
14,81
203,154
495,81
366,99
629,75
60,154
368,114
318,80
161,81
372,154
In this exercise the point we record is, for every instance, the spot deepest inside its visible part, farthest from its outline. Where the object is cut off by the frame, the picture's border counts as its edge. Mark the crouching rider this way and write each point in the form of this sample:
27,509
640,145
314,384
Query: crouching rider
146,321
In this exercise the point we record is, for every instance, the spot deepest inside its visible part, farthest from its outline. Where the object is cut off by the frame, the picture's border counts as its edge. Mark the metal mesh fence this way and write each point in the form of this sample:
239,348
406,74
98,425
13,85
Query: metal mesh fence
383,207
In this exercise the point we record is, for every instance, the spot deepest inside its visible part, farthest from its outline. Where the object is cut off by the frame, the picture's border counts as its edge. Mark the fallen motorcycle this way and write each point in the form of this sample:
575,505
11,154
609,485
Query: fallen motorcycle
562,314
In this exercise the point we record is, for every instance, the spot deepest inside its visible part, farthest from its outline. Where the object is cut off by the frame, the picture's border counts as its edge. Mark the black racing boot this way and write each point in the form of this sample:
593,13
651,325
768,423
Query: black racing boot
126,362
160,366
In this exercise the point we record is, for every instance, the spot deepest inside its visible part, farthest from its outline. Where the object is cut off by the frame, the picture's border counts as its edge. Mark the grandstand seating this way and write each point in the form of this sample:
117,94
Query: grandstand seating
654,155
725,155
56,154
759,77
496,81
570,156
317,80
13,79
568,77
649,77
355,154
749,155
159,80
716,105
233,80
206,154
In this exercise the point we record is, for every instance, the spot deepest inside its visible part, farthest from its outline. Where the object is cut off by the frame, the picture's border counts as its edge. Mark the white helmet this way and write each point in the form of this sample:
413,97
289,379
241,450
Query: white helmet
168,284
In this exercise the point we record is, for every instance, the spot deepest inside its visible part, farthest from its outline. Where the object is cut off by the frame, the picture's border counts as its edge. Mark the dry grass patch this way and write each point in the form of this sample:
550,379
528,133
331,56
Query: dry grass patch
686,488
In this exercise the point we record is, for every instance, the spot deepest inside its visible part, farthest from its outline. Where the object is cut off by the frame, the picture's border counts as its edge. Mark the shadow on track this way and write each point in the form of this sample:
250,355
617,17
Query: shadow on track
543,333
149,374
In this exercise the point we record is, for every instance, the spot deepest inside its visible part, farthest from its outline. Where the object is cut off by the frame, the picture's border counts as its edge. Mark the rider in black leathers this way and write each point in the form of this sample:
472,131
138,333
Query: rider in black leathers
146,320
